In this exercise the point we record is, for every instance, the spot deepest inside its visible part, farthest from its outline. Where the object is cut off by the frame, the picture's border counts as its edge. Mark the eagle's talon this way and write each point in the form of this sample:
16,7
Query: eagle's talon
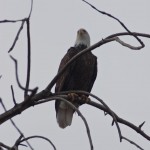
72,97
85,99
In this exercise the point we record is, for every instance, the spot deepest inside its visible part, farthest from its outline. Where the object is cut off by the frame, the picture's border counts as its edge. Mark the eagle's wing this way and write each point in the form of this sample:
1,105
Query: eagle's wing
94,74
63,112
62,82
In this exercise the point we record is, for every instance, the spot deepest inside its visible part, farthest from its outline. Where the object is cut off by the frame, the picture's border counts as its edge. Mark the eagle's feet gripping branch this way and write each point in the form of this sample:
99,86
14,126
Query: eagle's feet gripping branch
78,98
73,97
85,99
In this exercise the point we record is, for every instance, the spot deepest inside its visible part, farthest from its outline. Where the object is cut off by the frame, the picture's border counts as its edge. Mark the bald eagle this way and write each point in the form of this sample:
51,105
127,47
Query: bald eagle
80,75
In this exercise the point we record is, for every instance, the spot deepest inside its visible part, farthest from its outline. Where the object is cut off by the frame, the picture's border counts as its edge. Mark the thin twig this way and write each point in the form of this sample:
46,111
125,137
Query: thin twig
31,9
132,143
76,109
126,44
13,95
17,77
28,58
12,21
122,24
141,125
17,36
126,33
37,136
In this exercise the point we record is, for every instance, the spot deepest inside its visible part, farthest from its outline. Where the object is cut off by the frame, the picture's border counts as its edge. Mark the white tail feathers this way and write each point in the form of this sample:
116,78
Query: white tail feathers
64,115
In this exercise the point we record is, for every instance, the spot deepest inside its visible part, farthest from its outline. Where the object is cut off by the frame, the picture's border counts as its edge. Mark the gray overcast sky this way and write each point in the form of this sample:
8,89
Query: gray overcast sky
123,80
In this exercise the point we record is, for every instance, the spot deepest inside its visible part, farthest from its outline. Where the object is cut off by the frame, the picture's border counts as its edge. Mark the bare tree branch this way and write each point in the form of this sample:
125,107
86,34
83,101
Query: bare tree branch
132,143
28,58
13,95
122,24
4,145
126,44
17,77
126,33
12,21
17,36
141,125
37,136
31,9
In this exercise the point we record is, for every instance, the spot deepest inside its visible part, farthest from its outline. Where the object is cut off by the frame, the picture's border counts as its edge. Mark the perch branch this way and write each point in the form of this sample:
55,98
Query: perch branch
98,44
94,46
101,107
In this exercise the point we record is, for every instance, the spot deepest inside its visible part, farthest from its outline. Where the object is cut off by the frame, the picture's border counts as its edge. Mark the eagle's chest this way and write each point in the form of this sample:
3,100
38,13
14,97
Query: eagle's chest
82,71
83,65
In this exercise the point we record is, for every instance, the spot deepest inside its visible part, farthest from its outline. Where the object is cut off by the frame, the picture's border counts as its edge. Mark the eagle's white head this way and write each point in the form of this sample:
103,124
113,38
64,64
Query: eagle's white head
83,38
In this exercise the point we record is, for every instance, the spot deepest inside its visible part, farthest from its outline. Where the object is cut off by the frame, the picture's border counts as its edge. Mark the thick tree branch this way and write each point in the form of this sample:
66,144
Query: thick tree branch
4,146
15,126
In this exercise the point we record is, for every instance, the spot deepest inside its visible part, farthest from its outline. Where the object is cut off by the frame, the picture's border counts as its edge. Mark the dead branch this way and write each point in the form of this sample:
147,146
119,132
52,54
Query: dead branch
126,33
13,95
28,57
17,77
12,21
17,36
37,136
117,39
131,142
